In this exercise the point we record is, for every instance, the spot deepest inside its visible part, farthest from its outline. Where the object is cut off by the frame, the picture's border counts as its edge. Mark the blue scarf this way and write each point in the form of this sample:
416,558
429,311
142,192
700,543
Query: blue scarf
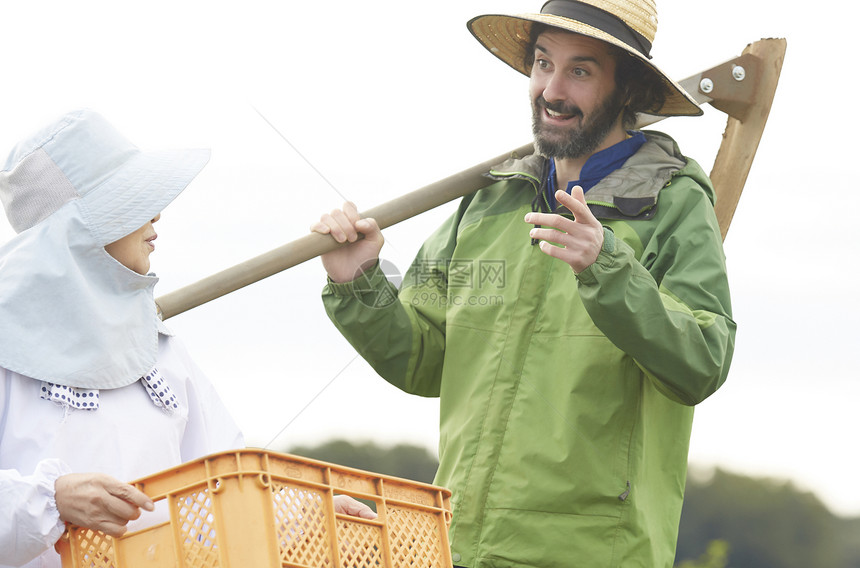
597,167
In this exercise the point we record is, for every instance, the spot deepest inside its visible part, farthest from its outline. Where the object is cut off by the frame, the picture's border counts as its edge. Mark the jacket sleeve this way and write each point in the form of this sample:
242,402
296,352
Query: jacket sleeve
29,521
669,309
401,334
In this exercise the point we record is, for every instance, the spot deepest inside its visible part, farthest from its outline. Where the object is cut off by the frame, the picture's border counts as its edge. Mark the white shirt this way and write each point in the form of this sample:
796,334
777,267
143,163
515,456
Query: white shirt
128,437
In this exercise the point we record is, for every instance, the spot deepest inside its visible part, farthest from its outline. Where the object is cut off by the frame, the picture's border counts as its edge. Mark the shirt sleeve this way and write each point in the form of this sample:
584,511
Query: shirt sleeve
29,520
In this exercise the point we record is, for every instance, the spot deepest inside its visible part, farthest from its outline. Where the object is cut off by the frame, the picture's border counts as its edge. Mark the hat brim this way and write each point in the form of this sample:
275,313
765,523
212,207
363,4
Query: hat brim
507,37
139,190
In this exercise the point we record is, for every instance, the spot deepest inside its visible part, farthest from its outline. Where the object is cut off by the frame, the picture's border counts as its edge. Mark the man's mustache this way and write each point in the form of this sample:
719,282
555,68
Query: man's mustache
559,107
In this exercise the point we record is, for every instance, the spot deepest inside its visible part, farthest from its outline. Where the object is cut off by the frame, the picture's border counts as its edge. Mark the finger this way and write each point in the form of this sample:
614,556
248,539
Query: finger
549,220
320,227
367,513
348,505
342,228
551,249
576,204
577,193
351,212
131,496
369,228
119,511
549,235
328,226
574,201
115,530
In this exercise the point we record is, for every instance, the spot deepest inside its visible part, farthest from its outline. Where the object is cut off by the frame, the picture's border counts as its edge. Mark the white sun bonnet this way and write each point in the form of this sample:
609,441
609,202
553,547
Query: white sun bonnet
70,313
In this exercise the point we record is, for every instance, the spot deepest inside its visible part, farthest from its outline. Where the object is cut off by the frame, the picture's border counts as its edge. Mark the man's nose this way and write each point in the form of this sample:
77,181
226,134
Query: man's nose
553,89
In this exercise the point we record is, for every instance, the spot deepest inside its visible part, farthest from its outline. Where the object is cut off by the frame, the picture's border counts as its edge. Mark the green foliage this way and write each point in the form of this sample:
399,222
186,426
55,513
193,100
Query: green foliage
716,556
766,523
403,460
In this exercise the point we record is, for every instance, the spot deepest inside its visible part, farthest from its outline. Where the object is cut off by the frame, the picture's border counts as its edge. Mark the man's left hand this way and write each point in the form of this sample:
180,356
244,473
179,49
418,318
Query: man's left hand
578,241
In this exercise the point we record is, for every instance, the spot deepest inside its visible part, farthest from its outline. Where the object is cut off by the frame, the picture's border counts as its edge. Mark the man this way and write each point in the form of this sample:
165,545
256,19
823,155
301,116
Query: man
567,350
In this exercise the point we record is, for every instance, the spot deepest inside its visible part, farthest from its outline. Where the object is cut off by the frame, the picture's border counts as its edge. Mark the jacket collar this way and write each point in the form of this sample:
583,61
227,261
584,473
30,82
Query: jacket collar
630,192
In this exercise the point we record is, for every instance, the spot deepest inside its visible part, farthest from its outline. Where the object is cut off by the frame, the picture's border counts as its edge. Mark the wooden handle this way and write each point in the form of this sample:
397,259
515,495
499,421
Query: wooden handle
315,244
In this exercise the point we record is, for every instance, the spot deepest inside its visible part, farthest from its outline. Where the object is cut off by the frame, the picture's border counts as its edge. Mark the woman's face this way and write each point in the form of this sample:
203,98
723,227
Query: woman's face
133,250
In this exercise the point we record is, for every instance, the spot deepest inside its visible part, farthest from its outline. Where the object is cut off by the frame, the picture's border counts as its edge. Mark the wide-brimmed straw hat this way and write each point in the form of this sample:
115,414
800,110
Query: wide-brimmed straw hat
628,24
82,156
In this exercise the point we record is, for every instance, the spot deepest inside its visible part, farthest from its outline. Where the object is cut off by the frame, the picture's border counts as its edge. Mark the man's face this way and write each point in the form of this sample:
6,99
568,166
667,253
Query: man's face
574,98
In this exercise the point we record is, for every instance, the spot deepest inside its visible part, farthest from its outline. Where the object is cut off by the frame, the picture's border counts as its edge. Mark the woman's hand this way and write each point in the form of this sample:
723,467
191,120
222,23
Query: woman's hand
99,502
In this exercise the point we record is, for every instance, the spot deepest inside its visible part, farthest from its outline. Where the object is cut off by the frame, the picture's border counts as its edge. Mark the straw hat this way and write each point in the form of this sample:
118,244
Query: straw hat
628,24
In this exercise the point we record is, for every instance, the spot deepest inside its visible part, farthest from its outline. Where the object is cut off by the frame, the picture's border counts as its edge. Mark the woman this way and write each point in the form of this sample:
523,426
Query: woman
93,387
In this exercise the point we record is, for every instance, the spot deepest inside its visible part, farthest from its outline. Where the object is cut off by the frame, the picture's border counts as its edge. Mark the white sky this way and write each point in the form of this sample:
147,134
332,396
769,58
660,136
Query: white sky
383,97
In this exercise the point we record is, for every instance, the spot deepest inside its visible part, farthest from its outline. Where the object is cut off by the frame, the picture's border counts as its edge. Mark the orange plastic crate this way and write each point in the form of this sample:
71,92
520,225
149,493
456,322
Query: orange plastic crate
261,509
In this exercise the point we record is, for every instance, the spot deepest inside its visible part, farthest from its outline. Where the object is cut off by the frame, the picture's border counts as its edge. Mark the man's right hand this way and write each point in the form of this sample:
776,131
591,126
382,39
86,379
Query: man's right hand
346,263
99,502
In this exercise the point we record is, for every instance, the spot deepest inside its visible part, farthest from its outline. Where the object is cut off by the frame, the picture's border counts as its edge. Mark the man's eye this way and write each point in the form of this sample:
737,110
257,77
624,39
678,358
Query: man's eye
580,72
542,63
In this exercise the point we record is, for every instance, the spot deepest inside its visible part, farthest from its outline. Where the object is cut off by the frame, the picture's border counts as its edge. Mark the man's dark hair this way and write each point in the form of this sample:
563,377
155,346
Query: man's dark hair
642,89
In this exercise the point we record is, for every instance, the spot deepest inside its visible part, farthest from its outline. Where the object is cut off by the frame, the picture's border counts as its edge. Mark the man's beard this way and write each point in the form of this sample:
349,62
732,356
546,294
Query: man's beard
572,141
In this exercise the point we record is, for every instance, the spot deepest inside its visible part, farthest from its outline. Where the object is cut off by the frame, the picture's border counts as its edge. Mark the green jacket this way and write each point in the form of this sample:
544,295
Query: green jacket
566,400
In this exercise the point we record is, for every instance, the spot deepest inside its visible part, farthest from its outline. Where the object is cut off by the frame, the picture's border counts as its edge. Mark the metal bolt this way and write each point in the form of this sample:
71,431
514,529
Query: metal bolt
739,73
706,85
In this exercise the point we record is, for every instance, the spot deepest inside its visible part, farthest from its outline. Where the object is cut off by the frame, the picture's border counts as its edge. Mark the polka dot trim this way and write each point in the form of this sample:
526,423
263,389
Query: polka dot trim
88,399
159,391
83,399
